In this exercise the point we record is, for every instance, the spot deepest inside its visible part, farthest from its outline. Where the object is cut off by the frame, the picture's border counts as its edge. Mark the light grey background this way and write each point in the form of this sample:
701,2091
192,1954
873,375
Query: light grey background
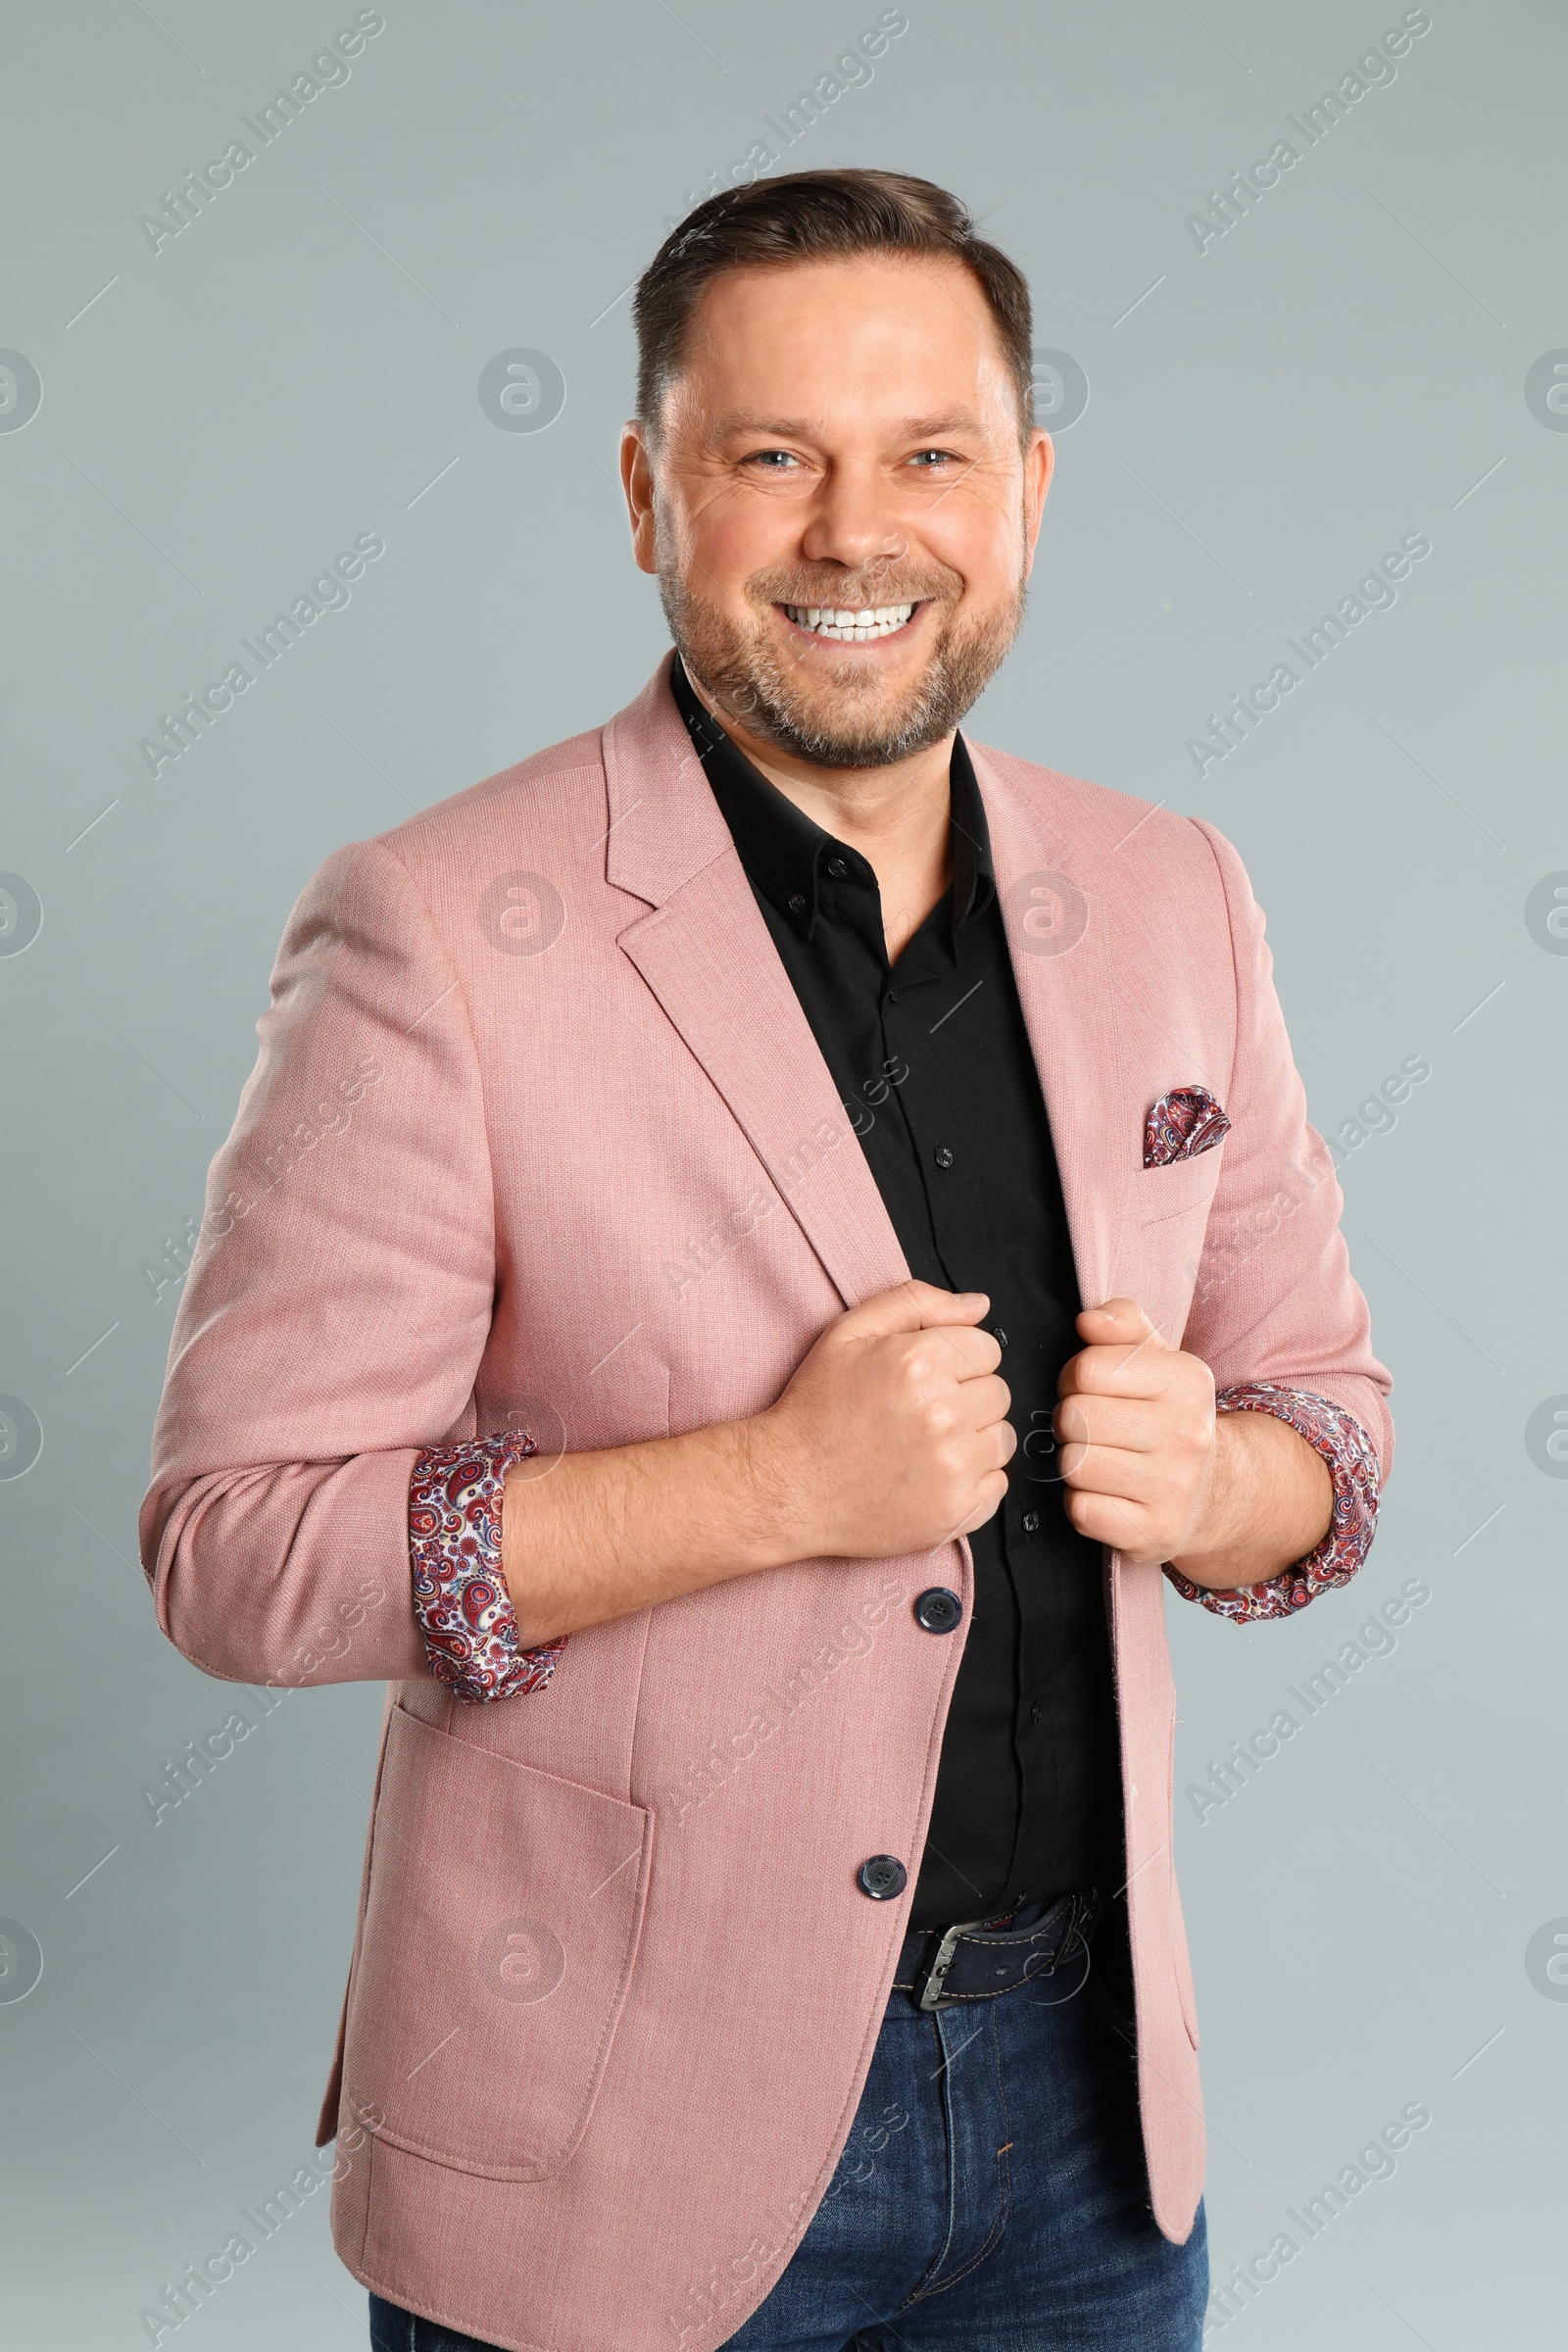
1266,417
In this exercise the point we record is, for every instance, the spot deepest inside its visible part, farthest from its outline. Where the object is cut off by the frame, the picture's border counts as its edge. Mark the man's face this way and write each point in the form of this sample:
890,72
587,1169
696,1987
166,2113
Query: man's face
839,508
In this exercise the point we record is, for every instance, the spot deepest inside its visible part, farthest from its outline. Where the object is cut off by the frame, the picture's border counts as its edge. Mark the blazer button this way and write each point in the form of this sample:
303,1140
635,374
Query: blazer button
939,1611
882,1876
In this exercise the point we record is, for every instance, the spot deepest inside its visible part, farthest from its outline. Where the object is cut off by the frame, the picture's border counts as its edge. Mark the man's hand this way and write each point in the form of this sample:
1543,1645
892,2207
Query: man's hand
893,1435
1136,1424
1151,1470
890,1437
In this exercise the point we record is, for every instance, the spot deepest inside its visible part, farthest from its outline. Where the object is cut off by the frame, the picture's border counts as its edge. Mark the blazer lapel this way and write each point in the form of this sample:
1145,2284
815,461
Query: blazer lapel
707,954
1055,911
1056,899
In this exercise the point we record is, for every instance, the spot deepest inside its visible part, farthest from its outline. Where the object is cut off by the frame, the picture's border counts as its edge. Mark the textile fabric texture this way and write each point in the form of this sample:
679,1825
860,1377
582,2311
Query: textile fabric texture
991,2197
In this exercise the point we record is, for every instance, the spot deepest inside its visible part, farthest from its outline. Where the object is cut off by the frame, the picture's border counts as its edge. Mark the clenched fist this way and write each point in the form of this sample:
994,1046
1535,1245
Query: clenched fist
1153,1471
1136,1425
892,1436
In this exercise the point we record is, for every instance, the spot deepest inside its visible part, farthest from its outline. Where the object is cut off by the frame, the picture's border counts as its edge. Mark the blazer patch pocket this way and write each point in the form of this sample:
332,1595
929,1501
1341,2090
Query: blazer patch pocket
1175,1191
501,1925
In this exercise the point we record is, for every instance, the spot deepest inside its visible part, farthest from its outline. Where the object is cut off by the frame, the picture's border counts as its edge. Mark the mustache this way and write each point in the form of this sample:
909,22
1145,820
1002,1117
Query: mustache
886,583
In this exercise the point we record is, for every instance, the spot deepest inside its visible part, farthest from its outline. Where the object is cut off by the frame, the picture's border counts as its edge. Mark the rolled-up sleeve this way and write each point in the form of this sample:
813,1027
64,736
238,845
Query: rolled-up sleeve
1356,1482
1276,1313
459,1588
337,1305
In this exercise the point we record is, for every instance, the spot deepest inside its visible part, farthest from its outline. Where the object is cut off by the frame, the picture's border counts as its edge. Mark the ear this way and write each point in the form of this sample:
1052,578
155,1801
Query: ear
1039,463
637,481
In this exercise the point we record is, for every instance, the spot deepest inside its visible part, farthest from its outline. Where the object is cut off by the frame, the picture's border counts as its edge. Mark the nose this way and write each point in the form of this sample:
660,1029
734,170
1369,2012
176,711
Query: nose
853,521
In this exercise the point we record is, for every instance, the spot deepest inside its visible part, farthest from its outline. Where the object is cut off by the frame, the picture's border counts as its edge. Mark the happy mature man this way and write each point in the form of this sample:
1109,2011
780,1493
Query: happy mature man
641,1315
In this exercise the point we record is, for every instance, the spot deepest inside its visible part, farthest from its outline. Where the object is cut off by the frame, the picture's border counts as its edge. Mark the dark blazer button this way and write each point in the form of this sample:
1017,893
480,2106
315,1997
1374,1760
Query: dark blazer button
939,1610
882,1876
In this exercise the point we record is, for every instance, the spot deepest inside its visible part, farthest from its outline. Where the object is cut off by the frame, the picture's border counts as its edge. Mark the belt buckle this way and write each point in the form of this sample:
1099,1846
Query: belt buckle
939,1968
1085,1904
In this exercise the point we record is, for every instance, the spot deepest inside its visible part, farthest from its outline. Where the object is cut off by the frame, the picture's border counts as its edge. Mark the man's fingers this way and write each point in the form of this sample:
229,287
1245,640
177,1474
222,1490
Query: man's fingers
975,1352
950,1306
1129,1423
991,1493
912,1306
987,1399
1136,1371
1124,1349
1133,1478
1108,1519
1119,1320
1121,1324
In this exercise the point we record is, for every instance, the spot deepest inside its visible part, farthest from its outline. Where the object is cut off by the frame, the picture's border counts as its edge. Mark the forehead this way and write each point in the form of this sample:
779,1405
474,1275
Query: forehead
901,333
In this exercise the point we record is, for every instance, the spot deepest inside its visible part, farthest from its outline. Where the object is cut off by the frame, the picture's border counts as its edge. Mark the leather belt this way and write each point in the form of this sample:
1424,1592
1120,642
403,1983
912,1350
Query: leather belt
979,1960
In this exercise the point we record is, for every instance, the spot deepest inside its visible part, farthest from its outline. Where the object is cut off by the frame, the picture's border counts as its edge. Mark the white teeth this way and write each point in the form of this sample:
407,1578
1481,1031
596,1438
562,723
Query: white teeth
850,627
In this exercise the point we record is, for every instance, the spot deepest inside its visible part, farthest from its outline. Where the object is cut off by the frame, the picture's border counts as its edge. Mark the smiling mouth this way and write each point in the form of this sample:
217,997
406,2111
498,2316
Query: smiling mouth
846,624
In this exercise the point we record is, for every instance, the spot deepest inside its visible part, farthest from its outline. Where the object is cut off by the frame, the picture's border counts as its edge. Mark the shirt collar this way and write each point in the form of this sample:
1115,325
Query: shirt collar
787,854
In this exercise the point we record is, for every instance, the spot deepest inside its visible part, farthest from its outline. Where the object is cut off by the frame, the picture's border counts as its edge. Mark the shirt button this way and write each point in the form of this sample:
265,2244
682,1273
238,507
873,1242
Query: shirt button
938,1610
837,869
797,903
1031,1522
882,1876
999,1334
943,1157
891,997
1035,1711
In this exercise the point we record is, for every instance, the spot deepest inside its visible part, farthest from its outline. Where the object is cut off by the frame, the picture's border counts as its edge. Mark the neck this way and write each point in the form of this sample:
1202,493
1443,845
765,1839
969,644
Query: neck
896,816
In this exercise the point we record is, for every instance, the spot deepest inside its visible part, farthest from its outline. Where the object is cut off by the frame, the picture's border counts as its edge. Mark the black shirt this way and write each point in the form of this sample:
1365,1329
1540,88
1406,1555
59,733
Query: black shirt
934,1065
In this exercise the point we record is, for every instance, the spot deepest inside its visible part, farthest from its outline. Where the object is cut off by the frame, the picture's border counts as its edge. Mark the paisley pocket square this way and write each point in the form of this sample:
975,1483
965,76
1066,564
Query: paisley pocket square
1181,1124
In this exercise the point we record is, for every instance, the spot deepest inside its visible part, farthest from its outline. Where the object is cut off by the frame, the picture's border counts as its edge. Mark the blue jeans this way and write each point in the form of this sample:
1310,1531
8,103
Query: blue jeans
991,2197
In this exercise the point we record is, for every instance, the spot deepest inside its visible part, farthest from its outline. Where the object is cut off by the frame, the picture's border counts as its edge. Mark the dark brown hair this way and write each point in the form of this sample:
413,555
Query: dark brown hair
809,217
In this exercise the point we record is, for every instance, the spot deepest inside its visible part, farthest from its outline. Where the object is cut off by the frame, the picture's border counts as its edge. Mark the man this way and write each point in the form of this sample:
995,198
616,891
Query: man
753,1239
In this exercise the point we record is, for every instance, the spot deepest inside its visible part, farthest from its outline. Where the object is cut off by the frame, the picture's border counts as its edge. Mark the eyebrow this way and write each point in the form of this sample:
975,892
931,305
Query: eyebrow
805,429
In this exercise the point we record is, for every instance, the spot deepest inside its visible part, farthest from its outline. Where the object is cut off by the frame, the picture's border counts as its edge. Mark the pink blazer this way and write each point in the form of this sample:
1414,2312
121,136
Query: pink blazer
530,1060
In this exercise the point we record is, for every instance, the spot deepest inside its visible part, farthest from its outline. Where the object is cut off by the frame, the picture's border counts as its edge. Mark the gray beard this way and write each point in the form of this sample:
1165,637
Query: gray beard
749,683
